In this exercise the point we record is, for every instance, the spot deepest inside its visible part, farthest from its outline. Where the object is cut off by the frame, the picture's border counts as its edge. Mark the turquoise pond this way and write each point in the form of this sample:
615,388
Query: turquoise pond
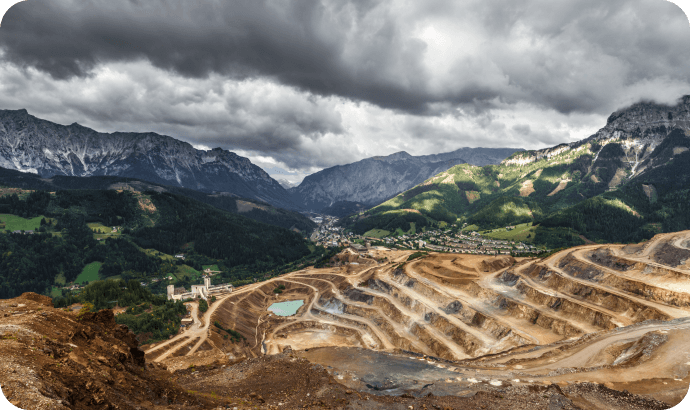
286,308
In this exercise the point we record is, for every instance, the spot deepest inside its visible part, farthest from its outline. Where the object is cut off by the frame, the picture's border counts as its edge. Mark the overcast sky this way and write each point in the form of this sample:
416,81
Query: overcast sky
306,84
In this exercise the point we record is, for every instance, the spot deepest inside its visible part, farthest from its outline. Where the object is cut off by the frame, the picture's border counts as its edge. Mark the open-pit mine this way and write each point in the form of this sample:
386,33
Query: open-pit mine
602,323
591,327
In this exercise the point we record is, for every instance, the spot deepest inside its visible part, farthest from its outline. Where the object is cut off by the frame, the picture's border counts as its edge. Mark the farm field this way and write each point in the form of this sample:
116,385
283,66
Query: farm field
377,233
17,223
184,271
520,233
101,231
163,256
89,273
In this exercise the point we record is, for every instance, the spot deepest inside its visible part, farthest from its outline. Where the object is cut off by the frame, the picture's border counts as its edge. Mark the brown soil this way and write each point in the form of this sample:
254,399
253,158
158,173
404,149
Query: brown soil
670,255
561,186
527,189
414,211
52,359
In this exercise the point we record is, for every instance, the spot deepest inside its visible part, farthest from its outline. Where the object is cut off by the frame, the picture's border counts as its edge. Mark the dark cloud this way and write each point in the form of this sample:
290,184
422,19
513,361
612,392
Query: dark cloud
253,115
567,55
300,43
314,83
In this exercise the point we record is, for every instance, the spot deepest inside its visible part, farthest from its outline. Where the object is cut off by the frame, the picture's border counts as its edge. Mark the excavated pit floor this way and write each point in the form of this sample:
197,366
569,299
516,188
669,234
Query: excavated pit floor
288,308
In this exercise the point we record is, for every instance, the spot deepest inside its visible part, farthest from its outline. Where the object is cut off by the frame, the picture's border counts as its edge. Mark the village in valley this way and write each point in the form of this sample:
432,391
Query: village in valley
451,239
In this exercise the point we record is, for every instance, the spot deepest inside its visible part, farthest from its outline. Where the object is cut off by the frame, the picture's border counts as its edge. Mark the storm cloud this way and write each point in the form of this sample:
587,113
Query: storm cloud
308,84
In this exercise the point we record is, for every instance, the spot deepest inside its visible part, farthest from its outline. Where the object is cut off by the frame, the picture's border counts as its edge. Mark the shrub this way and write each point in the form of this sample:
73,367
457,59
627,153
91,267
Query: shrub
416,255
203,305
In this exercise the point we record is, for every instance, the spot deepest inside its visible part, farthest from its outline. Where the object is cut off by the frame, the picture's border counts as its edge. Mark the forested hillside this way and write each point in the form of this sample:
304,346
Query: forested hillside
146,224
236,240
252,209
151,317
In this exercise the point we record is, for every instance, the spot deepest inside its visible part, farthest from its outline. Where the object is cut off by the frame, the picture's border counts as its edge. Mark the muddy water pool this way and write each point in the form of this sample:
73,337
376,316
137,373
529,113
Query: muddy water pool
286,308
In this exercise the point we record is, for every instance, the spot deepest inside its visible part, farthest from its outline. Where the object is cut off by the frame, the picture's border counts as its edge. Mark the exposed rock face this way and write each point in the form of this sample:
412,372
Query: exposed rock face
57,359
639,128
646,117
30,144
374,180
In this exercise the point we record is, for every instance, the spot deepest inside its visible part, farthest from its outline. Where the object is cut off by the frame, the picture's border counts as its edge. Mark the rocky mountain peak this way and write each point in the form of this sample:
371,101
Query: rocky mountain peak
640,127
29,144
395,157
647,115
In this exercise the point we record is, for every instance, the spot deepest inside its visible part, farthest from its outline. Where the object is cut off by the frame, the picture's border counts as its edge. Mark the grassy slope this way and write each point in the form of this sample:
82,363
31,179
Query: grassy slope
519,234
17,223
472,189
499,195
377,233
89,274
185,271
161,255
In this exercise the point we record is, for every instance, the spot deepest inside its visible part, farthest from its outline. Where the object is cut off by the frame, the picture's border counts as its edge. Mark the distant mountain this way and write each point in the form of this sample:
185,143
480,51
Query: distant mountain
47,149
252,209
285,183
625,183
373,180
474,156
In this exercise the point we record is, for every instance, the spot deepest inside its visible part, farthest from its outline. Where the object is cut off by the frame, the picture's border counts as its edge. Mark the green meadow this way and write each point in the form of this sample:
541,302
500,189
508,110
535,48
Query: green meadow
161,255
377,233
184,271
17,223
521,233
101,231
89,273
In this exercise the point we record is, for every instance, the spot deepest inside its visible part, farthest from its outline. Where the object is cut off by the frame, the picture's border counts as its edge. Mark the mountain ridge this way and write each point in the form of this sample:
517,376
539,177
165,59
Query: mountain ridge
30,144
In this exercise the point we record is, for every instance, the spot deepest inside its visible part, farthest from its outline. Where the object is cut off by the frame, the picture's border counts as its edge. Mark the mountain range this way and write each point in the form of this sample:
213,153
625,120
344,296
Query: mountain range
625,183
30,144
